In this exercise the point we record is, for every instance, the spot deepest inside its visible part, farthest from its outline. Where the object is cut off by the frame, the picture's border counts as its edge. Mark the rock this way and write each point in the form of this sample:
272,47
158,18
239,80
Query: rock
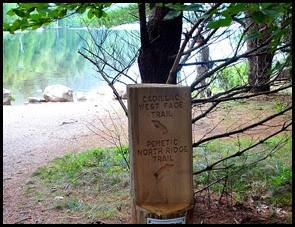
36,100
79,96
58,198
124,96
58,93
121,91
6,97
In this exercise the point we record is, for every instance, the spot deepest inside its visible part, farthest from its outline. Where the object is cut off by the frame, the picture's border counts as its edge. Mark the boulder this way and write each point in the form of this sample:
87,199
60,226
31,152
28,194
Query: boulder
58,93
79,96
121,89
124,96
6,97
36,100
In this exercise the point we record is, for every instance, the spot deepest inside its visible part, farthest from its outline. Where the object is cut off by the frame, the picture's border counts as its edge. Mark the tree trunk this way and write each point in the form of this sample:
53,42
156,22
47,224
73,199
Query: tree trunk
258,72
259,66
160,41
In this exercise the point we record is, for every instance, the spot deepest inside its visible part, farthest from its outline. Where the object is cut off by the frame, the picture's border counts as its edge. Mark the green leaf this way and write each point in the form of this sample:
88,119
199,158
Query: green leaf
70,6
220,23
234,9
82,10
191,7
35,16
24,5
30,10
159,4
62,13
266,5
10,12
172,14
35,27
254,7
19,13
41,12
27,6
106,5
270,12
252,36
16,23
104,14
24,22
99,5
5,26
177,7
53,14
281,32
12,29
90,14
98,13
259,17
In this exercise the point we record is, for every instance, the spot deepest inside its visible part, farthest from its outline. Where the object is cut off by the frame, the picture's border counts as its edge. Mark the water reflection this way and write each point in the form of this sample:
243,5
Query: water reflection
34,60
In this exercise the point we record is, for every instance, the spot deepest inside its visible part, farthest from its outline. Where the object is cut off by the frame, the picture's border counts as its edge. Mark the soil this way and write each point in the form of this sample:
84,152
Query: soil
213,211
37,133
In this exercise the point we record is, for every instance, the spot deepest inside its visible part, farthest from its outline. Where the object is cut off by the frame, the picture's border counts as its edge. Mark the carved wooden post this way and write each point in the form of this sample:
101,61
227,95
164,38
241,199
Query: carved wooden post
160,141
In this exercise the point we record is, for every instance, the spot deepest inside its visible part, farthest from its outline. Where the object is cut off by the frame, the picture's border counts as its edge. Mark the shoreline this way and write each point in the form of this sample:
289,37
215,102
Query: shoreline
103,92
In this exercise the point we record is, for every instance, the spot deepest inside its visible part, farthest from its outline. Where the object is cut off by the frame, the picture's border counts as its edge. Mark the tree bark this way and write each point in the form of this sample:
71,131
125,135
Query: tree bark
259,66
159,41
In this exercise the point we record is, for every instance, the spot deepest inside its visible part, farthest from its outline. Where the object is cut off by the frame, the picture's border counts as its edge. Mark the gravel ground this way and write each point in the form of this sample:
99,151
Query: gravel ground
36,133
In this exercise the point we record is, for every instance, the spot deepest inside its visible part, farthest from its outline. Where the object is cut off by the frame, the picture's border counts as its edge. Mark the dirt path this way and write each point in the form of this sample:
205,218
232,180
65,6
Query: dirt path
36,133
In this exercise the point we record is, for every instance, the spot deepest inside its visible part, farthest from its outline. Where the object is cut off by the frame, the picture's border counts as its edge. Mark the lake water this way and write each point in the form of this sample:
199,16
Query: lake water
33,60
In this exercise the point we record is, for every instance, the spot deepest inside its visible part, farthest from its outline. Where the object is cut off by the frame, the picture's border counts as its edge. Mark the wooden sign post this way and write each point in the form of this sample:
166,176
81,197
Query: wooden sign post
160,141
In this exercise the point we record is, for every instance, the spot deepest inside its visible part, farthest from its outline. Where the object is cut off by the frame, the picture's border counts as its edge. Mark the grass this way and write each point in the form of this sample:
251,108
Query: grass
93,185
249,180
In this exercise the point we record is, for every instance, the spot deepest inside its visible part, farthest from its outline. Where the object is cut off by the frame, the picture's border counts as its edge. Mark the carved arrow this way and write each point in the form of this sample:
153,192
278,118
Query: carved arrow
160,126
162,170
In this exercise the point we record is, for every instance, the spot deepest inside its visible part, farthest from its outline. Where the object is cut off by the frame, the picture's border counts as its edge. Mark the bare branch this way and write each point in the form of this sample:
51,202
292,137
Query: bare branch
239,153
180,52
109,83
243,129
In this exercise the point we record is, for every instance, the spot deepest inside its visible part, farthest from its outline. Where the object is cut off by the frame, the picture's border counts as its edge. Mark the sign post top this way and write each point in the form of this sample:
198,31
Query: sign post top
154,85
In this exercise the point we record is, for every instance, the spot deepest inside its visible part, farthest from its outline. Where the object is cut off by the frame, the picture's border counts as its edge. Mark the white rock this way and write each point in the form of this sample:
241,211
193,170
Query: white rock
36,100
6,97
58,93
79,96
59,198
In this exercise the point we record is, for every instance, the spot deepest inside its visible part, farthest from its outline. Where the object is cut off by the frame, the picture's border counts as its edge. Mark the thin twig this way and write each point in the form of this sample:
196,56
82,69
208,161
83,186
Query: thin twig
239,153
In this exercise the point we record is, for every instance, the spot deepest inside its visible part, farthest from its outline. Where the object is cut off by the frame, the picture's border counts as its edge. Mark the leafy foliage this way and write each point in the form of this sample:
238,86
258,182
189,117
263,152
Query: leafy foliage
35,15
85,14
124,15
231,77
